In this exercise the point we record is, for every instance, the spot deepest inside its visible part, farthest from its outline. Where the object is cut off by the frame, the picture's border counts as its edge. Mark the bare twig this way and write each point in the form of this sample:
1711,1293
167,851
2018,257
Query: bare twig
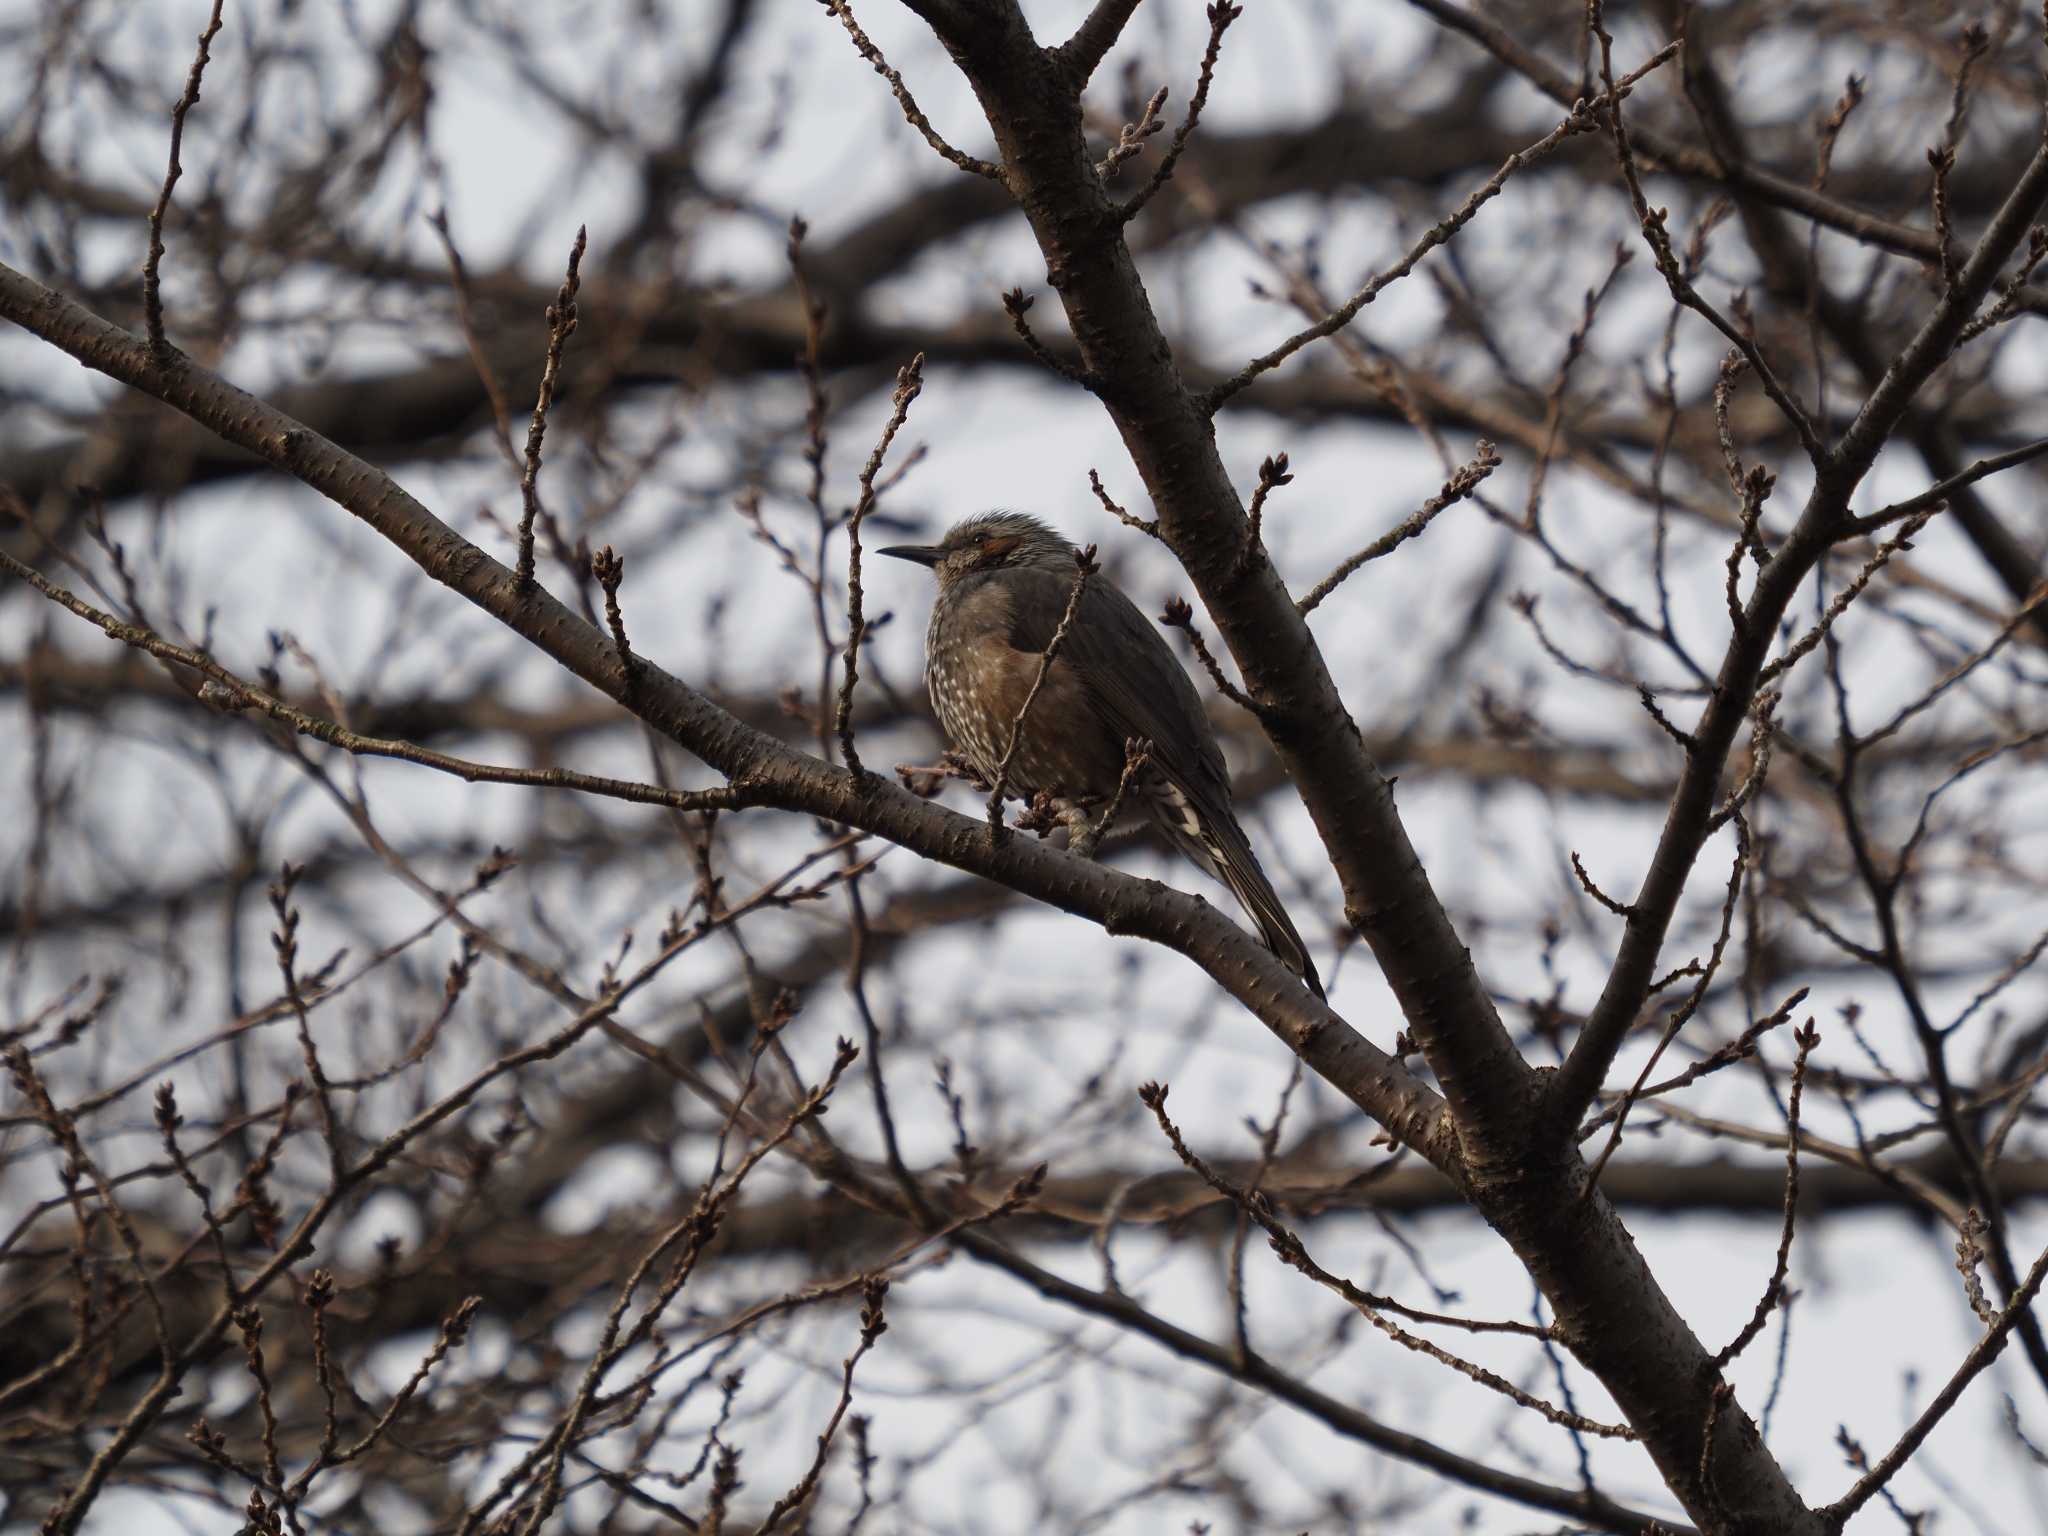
1969,1255
1936,496
2013,290
1272,472
1976,42
1463,482
454,1329
1179,614
608,567
1084,567
1221,14
867,50
872,1326
1685,1011
458,278
1658,238
1130,140
1903,539
1823,166
1017,304
695,1231
1581,120
226,691
561,317
1981,1355
909,381
1292,1252
1618,908
152,297
1136,752
1741,1048
1147,526
1807,1037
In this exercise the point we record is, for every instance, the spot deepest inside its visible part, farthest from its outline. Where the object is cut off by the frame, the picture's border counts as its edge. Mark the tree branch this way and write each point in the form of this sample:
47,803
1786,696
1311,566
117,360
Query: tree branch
779,775
1098,33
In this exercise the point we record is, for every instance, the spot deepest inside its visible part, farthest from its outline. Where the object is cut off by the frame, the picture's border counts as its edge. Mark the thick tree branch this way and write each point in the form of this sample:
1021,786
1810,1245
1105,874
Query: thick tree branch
778,774
1583,1262
1092,40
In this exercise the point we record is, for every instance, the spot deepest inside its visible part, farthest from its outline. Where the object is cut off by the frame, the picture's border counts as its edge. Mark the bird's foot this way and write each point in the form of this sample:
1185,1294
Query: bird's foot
1043,815
954,764
921,779
926,779
1084,832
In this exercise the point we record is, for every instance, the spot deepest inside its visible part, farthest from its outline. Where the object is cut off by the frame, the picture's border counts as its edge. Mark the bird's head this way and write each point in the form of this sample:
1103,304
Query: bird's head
989,541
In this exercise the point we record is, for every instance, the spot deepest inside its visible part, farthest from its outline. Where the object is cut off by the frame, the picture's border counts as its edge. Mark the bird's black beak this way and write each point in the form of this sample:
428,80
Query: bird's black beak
923,554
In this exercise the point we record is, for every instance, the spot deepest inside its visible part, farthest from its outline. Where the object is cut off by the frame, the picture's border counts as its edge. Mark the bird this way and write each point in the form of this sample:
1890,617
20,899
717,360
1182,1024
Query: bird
1006,581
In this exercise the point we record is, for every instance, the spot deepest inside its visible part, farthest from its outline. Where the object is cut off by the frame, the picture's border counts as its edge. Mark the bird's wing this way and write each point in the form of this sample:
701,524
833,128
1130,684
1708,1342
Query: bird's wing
1134,682
1137,687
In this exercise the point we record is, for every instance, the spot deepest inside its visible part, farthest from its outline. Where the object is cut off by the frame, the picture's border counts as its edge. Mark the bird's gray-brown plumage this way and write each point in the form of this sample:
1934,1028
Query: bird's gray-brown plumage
1005,580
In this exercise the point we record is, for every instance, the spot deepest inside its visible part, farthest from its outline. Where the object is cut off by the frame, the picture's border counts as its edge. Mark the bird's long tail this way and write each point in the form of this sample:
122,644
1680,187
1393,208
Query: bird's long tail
1255,893
1218,844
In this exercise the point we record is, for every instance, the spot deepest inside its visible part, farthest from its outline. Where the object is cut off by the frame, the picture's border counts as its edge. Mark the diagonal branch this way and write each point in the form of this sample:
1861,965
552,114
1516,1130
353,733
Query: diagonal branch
865,46
1937,496
779,775
1463,482
1092,40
